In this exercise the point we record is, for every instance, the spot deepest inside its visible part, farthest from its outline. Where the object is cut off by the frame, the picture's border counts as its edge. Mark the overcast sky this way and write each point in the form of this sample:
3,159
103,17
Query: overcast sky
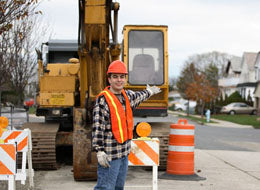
195,26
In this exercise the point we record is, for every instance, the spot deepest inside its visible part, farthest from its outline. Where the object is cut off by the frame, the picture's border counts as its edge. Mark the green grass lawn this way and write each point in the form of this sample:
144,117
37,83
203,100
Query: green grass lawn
240,119
197,119
32,110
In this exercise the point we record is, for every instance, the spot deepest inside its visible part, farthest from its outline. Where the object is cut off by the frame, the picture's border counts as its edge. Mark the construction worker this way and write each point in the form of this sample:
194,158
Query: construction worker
113,127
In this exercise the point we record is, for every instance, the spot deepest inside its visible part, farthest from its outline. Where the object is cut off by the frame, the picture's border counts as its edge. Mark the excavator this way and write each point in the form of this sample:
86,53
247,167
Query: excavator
67,91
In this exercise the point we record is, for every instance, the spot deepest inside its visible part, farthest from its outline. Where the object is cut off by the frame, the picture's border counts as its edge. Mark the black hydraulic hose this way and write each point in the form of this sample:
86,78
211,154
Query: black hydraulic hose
79,26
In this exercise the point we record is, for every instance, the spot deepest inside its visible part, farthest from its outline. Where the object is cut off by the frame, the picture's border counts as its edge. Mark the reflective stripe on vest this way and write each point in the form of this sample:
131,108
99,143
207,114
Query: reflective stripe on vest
117,115
121,120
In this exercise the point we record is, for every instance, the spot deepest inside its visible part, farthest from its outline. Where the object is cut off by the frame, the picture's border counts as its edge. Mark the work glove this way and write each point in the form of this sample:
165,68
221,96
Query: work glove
103,159
153,89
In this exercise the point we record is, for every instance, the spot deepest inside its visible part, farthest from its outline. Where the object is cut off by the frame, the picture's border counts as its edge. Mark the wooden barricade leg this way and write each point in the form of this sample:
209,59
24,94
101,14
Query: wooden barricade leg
11,183
155,177
23,170
30,172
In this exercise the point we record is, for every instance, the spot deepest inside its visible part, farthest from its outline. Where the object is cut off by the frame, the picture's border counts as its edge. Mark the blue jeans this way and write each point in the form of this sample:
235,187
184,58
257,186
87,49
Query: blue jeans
112,178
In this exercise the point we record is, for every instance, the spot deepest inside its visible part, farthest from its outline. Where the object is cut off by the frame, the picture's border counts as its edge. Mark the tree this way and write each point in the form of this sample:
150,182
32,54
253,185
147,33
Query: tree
211,72
234,97
22,57
11,10
5,67
201,91
17,45
209,66
215,58
187,76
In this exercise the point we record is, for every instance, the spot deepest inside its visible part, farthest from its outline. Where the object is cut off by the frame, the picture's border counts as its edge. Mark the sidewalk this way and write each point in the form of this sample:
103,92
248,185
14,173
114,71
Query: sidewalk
231,170
218,123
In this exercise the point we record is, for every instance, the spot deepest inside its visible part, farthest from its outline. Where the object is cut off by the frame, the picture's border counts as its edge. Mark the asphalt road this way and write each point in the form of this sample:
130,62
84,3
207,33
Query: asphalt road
221,138
215,138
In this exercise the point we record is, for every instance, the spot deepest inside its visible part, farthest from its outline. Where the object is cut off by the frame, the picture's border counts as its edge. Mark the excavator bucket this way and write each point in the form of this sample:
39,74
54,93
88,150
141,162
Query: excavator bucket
84,159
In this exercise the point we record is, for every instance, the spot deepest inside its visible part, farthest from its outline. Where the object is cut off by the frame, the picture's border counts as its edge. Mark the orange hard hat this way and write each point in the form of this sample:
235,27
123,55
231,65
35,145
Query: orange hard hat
117,67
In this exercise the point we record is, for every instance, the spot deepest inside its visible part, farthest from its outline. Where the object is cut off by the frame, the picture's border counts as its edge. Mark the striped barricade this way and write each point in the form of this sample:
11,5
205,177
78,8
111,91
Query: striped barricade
8,163
145,153
20,137
23,140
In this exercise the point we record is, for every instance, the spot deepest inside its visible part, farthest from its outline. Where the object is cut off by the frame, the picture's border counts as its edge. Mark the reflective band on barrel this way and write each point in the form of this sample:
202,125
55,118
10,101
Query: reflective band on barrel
181,148
182,132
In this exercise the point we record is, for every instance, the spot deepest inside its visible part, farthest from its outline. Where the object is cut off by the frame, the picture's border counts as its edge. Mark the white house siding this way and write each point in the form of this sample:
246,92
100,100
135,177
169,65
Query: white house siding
228,82
257,68
245,91
248,68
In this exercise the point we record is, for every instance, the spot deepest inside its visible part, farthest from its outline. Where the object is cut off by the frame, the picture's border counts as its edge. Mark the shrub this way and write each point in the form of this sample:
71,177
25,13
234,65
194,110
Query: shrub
234,97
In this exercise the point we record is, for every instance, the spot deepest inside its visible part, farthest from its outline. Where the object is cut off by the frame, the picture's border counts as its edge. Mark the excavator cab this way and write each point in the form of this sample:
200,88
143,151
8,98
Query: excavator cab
145,51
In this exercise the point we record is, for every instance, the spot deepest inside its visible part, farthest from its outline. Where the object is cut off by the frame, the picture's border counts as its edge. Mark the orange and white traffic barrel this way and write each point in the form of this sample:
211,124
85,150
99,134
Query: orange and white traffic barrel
181,149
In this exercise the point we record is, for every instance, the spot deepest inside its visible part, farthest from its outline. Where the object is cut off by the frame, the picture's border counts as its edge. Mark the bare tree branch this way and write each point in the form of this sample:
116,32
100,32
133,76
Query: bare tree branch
11,10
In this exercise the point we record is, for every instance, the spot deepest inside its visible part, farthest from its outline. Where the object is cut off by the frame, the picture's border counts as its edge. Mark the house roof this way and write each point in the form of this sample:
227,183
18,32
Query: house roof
249,58
234,63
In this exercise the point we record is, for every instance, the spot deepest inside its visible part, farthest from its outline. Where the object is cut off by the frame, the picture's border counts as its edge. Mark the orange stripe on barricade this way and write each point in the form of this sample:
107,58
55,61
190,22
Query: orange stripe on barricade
13,135
148,151
20,137
4,170
10,150
134,160
7,159
22,144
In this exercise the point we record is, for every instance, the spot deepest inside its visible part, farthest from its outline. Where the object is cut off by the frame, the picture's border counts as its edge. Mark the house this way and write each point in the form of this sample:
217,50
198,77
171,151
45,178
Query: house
247,80
228,84
257,90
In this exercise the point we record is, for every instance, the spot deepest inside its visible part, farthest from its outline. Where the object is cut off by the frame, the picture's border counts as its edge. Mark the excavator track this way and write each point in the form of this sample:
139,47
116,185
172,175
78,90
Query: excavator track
161,131
43,145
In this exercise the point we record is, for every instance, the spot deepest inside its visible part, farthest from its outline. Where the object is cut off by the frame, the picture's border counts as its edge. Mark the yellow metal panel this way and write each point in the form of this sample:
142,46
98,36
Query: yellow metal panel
57,84
95,2
56,99
61,69
95,14
73,69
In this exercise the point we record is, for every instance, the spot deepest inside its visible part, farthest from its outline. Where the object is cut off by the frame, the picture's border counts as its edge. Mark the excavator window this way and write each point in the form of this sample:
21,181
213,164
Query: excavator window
146,60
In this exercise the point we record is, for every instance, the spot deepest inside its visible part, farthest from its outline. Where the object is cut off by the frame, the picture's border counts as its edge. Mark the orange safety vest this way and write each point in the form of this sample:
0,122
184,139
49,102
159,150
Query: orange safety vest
121,121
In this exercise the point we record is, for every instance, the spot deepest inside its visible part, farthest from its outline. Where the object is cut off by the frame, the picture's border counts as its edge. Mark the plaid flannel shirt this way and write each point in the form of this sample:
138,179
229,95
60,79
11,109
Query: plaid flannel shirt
102,136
